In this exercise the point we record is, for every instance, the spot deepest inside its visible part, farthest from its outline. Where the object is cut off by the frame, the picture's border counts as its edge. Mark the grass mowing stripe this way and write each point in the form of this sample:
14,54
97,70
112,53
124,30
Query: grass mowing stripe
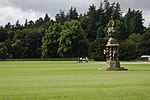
67,80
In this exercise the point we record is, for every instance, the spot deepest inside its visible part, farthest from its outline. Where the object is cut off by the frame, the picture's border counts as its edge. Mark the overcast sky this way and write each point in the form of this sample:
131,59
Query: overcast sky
12,10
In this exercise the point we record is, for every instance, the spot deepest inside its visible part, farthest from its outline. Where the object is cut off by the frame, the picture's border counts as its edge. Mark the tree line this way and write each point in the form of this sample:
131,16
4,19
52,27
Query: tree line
72,34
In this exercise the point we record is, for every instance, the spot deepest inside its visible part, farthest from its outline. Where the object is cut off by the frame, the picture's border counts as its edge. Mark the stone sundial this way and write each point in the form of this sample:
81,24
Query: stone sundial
111,51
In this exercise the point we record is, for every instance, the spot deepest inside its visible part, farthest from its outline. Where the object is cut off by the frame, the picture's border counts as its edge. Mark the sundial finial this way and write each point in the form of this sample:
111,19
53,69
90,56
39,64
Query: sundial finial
111,27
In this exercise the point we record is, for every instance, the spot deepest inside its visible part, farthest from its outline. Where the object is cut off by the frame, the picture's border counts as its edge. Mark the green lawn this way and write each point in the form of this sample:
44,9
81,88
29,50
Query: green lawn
53,80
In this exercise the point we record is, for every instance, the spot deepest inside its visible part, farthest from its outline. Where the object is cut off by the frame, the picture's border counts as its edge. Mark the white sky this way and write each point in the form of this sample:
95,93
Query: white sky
12,10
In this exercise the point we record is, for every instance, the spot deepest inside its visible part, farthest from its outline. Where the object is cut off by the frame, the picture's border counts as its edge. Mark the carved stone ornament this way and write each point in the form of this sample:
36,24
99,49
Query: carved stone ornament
111,50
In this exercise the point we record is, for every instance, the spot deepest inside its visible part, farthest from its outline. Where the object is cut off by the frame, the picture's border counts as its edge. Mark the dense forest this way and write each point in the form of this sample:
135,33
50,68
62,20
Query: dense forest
72,35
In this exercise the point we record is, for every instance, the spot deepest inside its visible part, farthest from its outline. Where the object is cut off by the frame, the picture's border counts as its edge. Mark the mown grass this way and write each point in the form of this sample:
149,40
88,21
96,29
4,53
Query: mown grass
67,80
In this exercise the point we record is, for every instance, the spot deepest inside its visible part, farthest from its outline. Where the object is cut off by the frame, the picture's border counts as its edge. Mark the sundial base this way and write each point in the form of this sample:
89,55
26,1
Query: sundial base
113,66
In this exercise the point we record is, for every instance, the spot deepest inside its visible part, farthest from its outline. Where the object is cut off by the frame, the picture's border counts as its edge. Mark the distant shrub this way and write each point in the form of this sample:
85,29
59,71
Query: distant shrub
44,59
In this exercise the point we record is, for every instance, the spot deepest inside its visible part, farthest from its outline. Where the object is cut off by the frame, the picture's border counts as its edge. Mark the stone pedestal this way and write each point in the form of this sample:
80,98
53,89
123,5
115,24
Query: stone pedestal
112,66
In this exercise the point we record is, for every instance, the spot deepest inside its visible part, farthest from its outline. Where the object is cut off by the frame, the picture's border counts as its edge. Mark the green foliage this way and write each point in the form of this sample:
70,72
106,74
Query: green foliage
61,17
139,40
72,14
50,42
42,59
128,50
84,21
73,41
91,29
3,51
8,44
120,30
96,49
2,36
18,49
18,25
133,22
146,42
100,32
117,12
27,43
31,24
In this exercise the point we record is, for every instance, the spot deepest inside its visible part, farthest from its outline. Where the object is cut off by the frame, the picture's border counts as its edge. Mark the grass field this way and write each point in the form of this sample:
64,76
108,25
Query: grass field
67,80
